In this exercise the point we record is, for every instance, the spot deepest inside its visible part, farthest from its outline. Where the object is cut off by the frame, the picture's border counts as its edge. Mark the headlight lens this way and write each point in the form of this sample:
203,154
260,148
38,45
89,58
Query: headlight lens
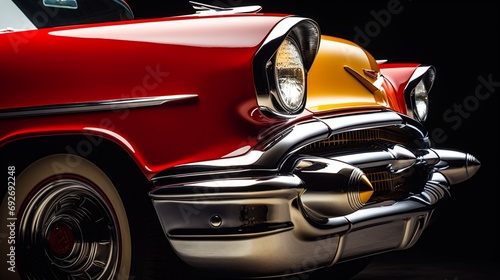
280,67
290,76
418,92
421,96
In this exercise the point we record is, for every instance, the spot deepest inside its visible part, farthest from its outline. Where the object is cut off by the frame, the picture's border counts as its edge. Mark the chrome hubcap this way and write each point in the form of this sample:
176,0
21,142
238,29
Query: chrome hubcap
69,232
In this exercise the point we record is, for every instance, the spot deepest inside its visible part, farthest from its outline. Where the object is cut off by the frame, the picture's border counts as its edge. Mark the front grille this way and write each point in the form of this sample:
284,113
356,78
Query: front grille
386,183
359,137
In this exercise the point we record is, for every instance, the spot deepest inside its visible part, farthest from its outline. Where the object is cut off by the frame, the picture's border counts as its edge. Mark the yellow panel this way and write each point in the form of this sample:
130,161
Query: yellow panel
332,87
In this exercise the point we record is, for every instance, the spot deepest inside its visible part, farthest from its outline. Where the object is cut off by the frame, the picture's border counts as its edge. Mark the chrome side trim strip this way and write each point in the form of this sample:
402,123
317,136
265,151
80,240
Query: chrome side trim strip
82,107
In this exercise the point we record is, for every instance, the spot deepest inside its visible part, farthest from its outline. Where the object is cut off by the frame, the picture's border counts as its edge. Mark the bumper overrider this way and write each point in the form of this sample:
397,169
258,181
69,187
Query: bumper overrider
324,191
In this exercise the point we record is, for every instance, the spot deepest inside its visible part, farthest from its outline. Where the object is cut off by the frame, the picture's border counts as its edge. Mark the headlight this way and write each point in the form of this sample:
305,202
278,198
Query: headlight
281,65
290,77
417,92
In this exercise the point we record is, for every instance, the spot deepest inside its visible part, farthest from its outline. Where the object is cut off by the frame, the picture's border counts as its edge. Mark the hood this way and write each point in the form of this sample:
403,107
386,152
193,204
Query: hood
344,76
132,59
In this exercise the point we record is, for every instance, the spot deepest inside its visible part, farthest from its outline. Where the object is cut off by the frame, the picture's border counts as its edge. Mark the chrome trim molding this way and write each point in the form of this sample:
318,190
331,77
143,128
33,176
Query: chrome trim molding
241,214
364,81
206,9
272,153
82,107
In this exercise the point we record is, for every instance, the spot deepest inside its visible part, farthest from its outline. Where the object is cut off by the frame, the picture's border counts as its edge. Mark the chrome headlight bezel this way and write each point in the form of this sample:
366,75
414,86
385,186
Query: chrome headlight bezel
417,92
289,88
281,66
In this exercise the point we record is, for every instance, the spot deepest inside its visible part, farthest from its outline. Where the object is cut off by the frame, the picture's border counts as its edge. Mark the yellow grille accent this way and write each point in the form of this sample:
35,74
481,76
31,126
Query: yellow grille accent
357,137
365,190
381,181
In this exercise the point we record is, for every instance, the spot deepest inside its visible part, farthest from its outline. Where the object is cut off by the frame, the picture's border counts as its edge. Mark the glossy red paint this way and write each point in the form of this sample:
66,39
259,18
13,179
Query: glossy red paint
126,60
393,97
121,60
398,75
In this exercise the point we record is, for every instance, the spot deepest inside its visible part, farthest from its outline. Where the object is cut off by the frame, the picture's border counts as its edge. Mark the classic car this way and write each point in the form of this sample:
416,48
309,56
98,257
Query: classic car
220,140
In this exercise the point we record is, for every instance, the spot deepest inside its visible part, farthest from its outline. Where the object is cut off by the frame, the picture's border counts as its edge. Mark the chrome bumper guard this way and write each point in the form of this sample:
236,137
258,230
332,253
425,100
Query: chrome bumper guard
274,212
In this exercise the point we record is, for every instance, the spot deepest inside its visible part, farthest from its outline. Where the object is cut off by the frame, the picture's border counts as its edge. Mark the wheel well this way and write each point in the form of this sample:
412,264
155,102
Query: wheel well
149,244
107,155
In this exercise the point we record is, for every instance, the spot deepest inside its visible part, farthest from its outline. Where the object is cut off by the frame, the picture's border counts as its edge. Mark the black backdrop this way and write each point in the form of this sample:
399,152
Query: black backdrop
462,42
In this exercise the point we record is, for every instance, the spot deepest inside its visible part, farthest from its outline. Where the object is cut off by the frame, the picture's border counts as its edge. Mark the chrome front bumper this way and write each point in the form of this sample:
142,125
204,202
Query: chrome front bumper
275,212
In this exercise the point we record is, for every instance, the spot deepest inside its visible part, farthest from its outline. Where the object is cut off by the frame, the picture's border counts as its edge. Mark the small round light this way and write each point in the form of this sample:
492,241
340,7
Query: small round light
290,76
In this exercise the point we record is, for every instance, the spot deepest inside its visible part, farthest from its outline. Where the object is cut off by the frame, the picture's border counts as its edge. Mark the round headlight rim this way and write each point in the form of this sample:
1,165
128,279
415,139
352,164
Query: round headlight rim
308,35
283,107
423,74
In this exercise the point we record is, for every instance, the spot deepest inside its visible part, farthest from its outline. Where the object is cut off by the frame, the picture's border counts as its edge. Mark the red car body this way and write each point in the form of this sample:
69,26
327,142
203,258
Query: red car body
122,60
175,127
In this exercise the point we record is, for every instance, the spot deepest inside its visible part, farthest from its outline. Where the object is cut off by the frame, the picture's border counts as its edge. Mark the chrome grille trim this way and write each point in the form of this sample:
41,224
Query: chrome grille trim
358,137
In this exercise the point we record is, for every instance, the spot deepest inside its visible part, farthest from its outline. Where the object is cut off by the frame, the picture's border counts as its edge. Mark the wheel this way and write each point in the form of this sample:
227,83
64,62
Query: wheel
70,223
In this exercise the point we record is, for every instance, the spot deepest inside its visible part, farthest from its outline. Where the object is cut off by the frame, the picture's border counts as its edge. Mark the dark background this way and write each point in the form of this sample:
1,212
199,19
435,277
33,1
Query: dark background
462,42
